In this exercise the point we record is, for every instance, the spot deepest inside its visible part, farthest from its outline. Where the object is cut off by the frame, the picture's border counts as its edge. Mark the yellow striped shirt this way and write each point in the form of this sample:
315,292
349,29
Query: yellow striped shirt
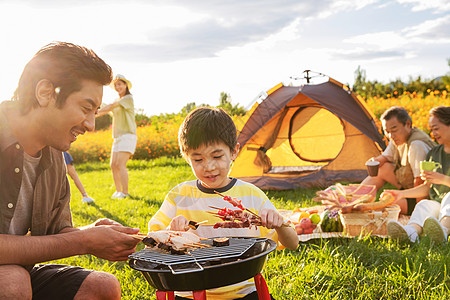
191,200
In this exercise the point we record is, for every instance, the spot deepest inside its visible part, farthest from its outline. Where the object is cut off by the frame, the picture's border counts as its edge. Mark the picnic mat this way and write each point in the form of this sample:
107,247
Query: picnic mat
403,219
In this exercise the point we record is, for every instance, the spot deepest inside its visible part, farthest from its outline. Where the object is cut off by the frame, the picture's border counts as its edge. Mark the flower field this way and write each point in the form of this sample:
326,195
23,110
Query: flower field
160,137
416,104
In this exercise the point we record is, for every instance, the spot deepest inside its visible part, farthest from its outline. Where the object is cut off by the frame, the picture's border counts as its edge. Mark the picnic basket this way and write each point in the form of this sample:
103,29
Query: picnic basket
370,222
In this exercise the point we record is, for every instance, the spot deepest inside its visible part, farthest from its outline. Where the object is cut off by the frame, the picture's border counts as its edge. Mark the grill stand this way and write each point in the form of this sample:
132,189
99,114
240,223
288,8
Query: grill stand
260,283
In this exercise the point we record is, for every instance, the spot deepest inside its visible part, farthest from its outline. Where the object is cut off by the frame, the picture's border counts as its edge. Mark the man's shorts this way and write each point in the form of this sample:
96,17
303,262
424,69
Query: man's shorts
51,281
68,158
125,143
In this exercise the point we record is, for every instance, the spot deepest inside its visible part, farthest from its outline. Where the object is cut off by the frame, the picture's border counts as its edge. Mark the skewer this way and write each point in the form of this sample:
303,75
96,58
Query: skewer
246,209
194,225
214,207
221,195
138,236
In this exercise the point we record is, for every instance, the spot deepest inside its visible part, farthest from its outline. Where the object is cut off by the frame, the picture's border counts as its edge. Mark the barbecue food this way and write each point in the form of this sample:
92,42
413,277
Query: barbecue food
234,201
243,215
177,242
193,225
220,242
236,219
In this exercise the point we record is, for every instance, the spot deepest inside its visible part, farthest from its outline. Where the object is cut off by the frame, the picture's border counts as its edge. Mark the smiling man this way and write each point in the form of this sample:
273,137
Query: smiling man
399,163
56,100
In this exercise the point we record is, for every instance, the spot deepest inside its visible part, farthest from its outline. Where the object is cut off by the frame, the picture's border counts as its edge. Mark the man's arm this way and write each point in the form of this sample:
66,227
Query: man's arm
110,242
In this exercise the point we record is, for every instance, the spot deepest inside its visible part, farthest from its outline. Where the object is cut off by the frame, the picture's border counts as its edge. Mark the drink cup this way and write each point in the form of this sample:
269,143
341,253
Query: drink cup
372,167
429,165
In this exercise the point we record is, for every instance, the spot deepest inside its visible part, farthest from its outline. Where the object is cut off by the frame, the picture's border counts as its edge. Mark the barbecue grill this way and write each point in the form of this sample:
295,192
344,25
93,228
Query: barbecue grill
203,268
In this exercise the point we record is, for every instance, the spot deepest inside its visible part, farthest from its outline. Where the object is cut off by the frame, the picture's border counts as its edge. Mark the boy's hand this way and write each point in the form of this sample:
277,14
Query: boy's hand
271,218
179,223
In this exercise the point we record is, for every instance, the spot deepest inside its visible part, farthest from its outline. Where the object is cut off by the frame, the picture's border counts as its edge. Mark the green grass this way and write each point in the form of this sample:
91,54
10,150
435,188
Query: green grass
369,268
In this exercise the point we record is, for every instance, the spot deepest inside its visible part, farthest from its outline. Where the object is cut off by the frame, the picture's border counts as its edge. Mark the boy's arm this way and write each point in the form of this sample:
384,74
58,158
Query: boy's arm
164,215
271,218
287,237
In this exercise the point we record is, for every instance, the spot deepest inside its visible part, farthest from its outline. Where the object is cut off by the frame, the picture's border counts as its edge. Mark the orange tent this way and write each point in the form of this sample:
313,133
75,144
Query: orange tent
305,136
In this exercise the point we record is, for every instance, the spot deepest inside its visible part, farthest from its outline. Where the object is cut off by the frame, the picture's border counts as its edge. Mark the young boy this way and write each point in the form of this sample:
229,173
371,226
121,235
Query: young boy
208,142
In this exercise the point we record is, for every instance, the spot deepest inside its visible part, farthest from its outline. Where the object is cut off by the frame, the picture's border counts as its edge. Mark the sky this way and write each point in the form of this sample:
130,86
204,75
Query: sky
181,51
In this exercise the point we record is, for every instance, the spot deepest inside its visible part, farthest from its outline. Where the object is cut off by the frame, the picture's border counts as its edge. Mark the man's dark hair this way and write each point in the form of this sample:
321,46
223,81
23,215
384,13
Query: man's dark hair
396,111
442,113
65,65
206,126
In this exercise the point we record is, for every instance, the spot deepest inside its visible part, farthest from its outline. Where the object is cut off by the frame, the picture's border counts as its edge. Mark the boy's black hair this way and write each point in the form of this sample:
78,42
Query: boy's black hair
442,113
399,112
206,126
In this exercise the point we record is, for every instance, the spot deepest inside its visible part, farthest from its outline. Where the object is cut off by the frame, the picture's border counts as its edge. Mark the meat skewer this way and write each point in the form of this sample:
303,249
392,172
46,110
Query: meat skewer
237,218
235,202
194,225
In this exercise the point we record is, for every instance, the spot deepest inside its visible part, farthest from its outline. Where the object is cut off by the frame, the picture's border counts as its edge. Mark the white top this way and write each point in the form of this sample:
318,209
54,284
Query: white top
417,152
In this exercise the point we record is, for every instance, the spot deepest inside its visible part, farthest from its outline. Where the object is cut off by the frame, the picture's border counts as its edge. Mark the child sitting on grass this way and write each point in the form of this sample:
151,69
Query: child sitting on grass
208,141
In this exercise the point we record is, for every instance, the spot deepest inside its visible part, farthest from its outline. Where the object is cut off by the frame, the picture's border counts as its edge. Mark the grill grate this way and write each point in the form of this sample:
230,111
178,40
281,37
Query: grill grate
183,262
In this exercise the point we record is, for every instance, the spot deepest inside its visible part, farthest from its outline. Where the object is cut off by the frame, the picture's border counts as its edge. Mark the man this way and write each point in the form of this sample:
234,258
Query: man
399,163
56,100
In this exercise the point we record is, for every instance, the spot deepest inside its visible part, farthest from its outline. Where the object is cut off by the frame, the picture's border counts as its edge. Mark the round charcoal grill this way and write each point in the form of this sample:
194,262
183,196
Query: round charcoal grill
204,268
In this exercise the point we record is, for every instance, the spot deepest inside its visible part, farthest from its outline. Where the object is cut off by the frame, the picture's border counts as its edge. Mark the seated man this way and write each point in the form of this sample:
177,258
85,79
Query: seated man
399,163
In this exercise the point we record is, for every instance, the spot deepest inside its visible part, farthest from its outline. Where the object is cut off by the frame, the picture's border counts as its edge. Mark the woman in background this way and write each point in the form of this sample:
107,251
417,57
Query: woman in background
124,134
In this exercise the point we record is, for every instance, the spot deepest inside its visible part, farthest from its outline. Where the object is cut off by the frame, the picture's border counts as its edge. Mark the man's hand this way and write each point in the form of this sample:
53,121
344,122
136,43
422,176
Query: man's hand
379,158
106,221
111,242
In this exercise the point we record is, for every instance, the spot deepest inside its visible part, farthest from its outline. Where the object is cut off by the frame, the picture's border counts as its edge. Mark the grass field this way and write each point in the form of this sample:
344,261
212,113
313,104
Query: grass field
369,268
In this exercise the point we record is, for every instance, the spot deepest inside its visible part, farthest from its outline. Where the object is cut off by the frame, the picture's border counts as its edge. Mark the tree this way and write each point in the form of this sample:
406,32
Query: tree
103,122
141,118
360,81
225,104
188,108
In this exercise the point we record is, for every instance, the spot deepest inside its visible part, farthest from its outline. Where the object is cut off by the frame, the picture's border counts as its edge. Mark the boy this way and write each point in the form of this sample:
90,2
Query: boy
208,142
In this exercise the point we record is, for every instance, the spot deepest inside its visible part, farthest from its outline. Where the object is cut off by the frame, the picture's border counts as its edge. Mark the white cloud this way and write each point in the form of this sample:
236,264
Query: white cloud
437,6
382,40
435,31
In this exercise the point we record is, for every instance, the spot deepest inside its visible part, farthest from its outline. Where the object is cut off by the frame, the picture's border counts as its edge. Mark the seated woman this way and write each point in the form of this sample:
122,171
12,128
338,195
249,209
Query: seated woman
430,217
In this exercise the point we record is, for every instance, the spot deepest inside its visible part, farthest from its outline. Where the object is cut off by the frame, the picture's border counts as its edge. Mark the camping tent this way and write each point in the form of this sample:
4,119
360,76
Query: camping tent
307,136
